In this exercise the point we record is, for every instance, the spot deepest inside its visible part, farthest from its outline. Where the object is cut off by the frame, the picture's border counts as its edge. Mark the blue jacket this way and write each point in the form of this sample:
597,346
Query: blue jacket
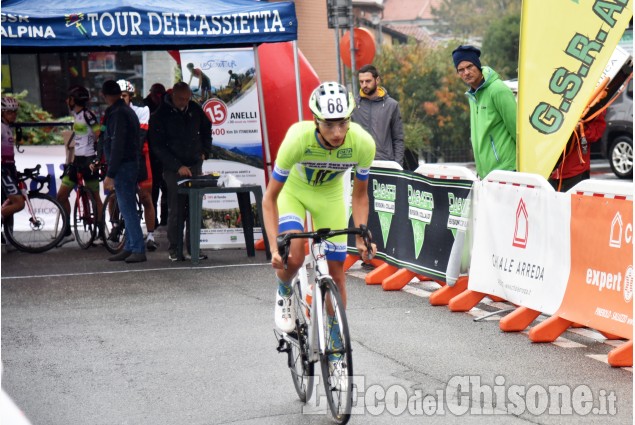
121,137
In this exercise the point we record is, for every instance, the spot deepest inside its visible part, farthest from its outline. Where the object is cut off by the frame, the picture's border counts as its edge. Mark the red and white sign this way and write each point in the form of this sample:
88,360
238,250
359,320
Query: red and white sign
216,111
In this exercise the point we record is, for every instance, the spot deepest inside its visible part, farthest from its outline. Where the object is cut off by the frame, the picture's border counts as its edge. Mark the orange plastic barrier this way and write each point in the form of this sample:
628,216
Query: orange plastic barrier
518,320
398,280
443,295
599,291
381,272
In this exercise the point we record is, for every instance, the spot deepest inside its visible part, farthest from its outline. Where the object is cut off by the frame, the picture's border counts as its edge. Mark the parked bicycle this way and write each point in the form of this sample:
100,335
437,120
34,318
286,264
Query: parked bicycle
313,339
41,225
85,214
112,223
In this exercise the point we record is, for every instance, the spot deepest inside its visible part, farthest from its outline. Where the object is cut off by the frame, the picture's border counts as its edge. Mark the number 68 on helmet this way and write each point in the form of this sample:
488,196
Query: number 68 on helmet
331,101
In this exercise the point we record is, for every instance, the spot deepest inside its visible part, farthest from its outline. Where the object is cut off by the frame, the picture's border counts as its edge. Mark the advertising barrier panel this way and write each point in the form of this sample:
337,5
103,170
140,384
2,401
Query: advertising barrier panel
521,246
600,289
414,219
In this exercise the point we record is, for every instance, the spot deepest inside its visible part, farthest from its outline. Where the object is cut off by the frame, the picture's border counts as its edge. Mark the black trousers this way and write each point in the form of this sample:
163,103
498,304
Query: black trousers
178,202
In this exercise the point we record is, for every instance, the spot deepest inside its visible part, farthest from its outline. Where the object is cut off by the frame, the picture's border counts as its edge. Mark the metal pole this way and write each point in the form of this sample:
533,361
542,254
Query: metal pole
263,115
353,64
337,49
298,85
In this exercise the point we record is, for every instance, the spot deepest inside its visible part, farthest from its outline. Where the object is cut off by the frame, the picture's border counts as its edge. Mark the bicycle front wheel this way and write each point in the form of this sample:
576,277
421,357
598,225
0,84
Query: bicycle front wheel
85,218
114,234
337,358
39,227
299,365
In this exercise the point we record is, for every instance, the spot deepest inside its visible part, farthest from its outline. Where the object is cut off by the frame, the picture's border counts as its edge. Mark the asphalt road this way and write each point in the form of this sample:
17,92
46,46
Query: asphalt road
87,341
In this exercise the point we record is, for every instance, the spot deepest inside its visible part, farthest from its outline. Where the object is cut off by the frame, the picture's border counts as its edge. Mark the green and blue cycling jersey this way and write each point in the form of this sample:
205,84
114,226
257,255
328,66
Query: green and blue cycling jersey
313,179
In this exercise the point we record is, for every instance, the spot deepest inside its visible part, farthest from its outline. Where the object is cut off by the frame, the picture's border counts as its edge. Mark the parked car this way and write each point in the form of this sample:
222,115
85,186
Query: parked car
617,140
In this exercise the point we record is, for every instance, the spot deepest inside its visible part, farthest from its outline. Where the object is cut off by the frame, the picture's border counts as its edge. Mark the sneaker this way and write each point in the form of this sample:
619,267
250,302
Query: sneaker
136,257
284,313
338,377
122,256
173,256
201,256
66,239
151,245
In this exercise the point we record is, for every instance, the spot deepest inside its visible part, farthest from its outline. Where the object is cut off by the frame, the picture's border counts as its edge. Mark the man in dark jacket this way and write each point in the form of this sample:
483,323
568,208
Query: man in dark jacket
379,114
181,136
123,155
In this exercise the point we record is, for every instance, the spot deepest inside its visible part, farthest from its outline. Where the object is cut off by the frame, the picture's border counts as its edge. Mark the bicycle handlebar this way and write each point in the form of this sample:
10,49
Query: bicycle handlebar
34,174
284,241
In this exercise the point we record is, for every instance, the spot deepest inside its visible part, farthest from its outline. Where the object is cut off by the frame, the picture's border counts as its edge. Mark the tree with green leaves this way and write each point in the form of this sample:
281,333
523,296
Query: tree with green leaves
501,46
434,110
470,19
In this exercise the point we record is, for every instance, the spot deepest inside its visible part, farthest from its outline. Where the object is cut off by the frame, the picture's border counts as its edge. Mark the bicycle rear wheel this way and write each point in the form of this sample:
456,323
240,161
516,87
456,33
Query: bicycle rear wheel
299,365
114,234
337,360
38,227
85,218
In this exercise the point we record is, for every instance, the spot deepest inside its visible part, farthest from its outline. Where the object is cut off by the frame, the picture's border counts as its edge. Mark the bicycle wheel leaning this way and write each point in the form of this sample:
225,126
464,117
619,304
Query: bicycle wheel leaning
299,365
39,227
85,218
114,229
337,359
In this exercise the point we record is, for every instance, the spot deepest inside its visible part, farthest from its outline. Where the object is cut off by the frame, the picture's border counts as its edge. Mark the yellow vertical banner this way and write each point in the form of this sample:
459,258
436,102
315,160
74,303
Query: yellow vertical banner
564,47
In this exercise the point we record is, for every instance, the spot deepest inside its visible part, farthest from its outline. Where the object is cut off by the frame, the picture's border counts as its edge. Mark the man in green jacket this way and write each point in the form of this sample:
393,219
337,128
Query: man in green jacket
492,113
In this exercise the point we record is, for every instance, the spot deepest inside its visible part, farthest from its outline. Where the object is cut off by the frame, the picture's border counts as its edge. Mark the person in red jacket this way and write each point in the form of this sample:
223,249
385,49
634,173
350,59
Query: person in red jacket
575,163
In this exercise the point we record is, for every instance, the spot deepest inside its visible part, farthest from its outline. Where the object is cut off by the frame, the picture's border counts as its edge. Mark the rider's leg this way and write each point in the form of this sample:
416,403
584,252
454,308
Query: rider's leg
295,261
12,205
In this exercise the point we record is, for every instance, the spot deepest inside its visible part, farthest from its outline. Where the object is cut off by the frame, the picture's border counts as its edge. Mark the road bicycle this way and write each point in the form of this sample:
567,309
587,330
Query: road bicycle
41,225
112,223
85,222
313,339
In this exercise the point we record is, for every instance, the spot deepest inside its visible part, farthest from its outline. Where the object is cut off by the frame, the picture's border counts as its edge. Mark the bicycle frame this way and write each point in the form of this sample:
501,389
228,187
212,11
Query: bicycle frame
317,338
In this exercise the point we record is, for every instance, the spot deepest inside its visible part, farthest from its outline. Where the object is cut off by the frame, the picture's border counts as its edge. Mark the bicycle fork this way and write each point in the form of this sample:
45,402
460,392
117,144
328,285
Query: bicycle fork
29,206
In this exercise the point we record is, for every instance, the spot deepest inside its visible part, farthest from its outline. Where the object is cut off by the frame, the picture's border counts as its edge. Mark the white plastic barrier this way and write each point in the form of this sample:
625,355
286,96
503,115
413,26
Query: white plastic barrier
521,241
606,188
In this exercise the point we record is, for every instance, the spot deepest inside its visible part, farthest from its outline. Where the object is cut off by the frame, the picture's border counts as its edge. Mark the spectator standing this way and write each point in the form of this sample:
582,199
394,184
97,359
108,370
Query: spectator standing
145,170
181,136
85,133
492,113
153,101
123,155
379,114
575,163
15,201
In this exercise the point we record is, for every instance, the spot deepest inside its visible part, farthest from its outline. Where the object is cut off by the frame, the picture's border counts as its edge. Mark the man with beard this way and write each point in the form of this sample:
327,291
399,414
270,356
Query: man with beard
379,114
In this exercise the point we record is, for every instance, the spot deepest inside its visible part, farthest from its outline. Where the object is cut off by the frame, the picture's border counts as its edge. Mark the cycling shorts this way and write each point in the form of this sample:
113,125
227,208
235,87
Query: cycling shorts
81,164
326,205
9,180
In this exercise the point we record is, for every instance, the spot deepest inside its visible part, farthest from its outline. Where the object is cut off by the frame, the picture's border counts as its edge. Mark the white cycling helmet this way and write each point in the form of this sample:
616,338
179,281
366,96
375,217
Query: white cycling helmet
9,104
331,101
126,86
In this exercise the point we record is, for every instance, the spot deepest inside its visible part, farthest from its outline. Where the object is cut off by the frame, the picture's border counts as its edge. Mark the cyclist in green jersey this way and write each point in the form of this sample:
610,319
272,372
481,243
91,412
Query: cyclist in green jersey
308,176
